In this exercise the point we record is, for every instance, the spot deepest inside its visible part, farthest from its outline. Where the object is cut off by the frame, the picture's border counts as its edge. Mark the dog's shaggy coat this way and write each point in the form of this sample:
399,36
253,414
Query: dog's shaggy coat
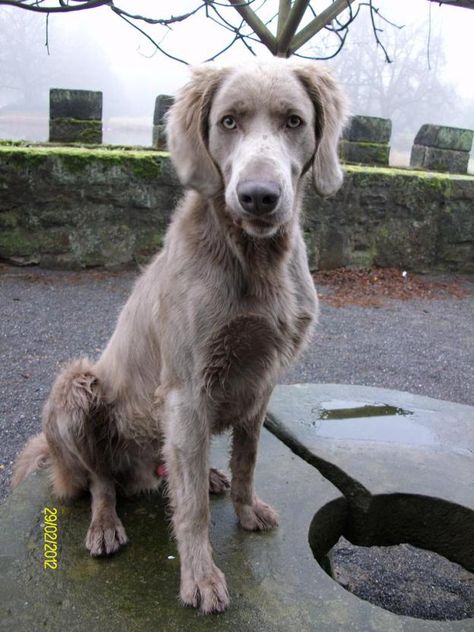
210,323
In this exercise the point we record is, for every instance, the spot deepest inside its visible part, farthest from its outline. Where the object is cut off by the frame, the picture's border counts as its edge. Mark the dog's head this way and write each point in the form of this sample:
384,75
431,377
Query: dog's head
252,133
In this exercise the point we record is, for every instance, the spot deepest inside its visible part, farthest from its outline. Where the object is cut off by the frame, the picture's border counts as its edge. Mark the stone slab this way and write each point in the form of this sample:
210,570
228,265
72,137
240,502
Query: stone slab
84,105
364,153
447,160
68,130
369,129
409,453
443,137
163,103
159,137
274,580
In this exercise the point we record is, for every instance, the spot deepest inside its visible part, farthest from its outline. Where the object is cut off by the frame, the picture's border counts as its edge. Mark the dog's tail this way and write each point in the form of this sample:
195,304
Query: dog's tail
63,447
35,455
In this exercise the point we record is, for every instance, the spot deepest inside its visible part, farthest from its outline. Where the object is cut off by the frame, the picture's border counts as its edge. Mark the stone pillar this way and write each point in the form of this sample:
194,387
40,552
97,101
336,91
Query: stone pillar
366,140
440,148
162,105
75,116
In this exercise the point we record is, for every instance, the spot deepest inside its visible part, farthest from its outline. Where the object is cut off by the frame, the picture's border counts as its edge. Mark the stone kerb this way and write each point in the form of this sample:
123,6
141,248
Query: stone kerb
366,141
75,116
163,103
442,148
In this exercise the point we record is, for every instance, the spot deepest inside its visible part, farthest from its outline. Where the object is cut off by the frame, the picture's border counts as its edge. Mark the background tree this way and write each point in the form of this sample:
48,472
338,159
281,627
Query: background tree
410,91
283,27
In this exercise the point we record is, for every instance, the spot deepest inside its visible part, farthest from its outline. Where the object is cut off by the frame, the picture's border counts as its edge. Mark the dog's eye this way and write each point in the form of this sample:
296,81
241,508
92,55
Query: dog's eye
228,122
293,121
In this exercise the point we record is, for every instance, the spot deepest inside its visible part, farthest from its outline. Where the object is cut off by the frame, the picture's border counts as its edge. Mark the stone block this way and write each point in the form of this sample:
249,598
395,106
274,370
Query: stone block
443,137
69,130
82,105
368,129
364,153
159,137
435,159
163,103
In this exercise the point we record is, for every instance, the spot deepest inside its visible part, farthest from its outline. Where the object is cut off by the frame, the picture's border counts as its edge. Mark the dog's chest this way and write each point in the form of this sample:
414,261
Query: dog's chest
246,352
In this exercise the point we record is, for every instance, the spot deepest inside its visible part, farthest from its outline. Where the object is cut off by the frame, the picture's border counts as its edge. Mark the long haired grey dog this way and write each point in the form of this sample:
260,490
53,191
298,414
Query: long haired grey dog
210,323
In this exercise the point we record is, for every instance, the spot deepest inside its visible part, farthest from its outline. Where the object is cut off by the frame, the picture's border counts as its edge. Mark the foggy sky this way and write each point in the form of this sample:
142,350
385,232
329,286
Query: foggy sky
96,50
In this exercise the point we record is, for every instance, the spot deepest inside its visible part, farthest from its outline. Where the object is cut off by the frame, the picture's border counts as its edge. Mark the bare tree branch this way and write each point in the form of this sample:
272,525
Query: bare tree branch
150,39
255,24
63,8
160,21
251,28
283,12
291,24
318,23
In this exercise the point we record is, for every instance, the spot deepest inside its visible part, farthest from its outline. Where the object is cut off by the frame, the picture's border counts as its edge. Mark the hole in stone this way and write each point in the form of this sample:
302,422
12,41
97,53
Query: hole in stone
384,554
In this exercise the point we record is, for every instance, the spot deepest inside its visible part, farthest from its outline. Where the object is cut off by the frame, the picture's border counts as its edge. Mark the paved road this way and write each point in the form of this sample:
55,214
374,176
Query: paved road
422,346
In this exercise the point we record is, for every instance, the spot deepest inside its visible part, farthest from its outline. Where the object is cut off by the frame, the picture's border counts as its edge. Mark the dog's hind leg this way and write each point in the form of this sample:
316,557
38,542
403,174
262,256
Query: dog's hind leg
218,481
80,431
106,533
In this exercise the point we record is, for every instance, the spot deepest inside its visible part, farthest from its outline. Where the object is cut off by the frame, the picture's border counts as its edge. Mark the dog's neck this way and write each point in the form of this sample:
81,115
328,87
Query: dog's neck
258,265
257,255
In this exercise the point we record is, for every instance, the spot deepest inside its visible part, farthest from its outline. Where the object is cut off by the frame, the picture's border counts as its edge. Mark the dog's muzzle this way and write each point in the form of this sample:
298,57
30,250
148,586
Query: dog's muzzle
258,197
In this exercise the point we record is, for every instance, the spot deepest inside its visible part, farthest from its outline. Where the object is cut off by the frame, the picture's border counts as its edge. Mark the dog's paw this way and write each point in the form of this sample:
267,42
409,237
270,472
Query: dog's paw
105,536
209,594
218,481
257,517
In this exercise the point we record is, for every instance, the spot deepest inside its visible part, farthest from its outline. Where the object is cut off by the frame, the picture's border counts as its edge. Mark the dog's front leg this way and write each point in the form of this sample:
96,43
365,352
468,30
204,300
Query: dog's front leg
186,449
253,513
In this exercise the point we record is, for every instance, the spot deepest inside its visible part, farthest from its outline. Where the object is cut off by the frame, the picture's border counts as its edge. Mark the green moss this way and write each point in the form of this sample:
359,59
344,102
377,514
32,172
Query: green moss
362,152
146,167
401,171
16,243
144,164
8,219
11,143
70,129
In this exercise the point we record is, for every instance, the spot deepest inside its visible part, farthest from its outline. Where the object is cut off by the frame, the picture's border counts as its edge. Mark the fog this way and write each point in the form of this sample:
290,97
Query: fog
430,79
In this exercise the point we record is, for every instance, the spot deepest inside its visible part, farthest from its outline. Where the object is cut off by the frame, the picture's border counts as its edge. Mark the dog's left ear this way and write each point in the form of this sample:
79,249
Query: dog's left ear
186,129
331,115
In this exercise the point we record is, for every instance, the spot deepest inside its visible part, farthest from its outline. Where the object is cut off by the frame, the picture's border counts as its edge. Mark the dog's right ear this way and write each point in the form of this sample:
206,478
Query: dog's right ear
187,130
331,113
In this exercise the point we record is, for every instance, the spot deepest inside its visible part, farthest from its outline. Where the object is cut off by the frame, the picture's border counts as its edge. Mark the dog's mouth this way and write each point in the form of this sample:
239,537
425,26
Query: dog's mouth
256,227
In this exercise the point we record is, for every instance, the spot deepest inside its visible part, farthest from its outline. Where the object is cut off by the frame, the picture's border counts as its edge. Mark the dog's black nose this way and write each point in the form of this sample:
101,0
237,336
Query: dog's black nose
258,197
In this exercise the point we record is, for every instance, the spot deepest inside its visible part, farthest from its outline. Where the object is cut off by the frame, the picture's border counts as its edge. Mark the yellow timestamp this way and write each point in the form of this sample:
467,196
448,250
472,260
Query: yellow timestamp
50,538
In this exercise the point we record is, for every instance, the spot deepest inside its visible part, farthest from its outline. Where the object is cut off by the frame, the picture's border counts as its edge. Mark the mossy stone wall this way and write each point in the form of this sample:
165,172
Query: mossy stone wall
73,207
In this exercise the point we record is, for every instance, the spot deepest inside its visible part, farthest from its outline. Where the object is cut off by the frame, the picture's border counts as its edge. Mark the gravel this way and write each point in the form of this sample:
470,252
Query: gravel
405,580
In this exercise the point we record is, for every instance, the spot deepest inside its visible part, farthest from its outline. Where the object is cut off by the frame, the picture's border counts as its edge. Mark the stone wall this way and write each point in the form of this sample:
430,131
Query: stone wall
75,207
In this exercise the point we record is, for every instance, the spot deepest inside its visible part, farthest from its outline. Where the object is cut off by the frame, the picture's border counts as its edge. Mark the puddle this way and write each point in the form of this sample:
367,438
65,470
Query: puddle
365,410
369,421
